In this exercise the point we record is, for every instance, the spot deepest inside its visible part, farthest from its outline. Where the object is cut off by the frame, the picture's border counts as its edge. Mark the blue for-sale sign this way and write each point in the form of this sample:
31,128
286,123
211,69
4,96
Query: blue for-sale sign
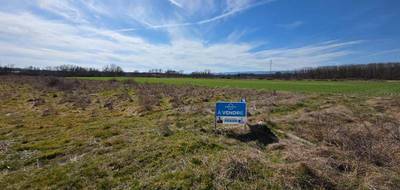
231,112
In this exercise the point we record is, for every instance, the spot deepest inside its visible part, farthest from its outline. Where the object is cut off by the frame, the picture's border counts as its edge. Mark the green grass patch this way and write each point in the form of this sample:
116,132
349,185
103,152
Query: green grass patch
304,86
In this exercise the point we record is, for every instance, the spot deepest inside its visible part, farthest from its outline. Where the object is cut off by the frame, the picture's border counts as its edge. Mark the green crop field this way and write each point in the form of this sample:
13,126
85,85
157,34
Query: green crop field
307,86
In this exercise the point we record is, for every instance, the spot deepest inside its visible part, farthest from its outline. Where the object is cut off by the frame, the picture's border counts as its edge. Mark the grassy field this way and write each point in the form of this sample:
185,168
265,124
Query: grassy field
58,133
307,86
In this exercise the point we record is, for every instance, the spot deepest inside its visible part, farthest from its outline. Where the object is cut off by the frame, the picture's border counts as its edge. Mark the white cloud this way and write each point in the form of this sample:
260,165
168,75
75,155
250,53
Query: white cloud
27,39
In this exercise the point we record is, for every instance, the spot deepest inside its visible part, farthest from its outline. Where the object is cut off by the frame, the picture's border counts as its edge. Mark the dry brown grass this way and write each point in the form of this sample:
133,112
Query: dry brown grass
361,149
163,135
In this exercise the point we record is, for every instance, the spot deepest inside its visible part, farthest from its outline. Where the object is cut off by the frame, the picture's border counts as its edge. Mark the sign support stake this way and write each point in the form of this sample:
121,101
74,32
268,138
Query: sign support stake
215,123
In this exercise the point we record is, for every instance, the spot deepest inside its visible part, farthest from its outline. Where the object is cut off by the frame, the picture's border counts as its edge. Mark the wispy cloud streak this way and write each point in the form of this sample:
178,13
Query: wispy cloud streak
175,3
292,25
204,21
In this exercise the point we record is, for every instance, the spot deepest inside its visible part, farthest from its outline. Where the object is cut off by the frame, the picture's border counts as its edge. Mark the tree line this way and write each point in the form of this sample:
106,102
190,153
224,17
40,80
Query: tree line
373,71
64,71
378,71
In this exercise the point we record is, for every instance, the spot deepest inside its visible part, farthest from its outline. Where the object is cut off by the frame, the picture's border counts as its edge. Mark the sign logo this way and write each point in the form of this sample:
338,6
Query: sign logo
230,106
231,112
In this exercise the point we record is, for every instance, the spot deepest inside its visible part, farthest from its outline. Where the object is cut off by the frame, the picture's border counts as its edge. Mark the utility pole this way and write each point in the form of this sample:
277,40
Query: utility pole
270,67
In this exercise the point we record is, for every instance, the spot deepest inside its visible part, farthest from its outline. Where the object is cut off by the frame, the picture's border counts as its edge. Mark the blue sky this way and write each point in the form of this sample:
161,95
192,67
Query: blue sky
194,35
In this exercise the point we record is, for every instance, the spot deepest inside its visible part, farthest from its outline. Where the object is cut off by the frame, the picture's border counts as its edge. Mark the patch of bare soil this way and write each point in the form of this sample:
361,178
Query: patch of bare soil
253,133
